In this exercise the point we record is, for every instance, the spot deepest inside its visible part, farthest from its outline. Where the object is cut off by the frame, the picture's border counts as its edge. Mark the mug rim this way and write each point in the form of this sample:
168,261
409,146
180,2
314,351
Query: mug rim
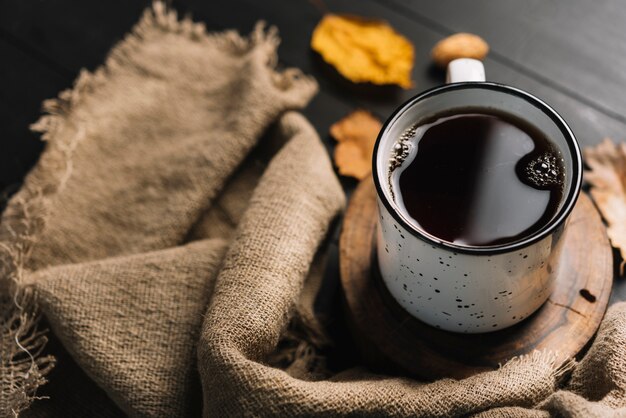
554,223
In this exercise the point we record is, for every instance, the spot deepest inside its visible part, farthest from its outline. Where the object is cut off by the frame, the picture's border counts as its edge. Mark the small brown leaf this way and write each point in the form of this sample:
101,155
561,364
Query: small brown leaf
356,135
364,50
460,45
607,178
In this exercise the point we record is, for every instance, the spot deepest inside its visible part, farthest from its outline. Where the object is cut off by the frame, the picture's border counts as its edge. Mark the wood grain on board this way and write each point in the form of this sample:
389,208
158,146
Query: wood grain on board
577,47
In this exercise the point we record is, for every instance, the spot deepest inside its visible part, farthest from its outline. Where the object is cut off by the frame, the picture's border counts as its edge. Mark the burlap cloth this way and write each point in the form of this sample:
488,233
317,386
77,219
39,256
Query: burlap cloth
166,235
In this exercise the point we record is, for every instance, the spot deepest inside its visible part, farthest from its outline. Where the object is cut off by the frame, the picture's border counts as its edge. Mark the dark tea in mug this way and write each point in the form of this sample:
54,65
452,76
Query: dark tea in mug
477,177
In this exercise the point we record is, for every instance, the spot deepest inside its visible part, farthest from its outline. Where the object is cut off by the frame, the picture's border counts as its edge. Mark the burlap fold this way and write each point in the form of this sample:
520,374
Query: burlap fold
167,234
131,323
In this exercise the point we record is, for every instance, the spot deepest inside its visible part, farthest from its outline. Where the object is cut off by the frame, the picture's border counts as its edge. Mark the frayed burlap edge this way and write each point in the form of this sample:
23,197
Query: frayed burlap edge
561,369
23,367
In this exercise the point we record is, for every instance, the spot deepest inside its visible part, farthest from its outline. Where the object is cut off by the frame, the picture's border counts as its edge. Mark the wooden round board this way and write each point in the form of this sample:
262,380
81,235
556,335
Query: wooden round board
393,340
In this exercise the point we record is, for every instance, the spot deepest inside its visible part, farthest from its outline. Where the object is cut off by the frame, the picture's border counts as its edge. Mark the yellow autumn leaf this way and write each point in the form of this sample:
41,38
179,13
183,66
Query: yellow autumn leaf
364,50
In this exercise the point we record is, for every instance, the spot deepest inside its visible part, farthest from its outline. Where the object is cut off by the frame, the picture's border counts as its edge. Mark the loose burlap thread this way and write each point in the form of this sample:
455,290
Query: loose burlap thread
167,234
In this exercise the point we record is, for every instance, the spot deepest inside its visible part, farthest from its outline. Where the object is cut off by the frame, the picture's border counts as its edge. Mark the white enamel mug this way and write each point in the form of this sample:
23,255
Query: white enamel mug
471,289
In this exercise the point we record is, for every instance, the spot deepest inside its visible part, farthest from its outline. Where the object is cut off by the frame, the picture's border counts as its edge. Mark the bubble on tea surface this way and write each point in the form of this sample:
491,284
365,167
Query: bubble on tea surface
545,170
401,149
399,153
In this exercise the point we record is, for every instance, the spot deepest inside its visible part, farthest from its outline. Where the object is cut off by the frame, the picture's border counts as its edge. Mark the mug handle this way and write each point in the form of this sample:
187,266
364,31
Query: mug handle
465,69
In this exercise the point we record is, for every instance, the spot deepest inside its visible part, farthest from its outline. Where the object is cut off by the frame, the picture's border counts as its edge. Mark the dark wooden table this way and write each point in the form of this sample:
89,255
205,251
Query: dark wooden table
572,54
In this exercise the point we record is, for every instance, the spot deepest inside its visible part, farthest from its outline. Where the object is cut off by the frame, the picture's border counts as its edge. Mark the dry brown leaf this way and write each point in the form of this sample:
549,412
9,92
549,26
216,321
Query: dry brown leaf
460,45
356,135
607,178
364,50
